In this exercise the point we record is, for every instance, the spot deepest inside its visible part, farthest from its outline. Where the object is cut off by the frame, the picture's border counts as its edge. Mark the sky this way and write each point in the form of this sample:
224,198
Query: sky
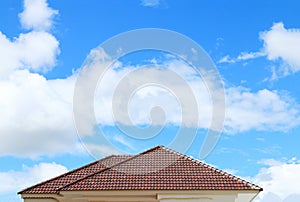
146,97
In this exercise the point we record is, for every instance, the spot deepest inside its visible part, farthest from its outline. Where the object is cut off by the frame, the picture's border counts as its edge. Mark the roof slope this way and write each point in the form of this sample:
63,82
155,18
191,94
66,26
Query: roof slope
156,169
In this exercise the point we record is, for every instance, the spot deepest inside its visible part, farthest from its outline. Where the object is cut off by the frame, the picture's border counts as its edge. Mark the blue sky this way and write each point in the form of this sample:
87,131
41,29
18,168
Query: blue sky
255,46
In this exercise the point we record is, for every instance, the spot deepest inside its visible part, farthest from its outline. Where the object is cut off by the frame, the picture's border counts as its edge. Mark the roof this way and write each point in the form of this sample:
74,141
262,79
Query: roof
158,168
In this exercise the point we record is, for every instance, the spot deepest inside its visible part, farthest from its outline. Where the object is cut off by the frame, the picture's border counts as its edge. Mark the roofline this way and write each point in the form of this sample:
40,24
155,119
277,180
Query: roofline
67,173
124,192
130,157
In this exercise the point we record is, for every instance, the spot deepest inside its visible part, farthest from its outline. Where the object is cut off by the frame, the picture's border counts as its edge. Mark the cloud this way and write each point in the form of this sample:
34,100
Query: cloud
35,50
14,181
34,109
248,56
280,180
227,59
151,95
263,110
37,15
281,44
150,3
36,115
243,56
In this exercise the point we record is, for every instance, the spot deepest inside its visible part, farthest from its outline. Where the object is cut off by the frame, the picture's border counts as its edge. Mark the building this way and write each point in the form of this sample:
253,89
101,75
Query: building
158,174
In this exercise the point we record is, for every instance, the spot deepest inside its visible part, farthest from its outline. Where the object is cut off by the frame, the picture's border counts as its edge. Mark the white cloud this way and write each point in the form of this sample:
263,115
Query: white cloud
243,56
150,3
39,50
283,44
227,59
35,109
264,110
280,181
280,45
35,50
16,54
37,15
157,93
250,55
36,115
14,181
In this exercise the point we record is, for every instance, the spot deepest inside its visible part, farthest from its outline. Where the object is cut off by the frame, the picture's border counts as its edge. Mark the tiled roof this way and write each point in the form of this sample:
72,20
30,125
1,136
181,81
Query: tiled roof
156,169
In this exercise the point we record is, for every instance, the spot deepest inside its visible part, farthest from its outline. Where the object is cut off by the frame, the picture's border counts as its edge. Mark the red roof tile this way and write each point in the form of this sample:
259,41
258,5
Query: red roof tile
156,169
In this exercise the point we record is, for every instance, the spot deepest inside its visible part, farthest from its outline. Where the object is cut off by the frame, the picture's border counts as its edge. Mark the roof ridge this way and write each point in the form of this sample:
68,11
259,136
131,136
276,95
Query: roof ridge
212,167
65,174
105,169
